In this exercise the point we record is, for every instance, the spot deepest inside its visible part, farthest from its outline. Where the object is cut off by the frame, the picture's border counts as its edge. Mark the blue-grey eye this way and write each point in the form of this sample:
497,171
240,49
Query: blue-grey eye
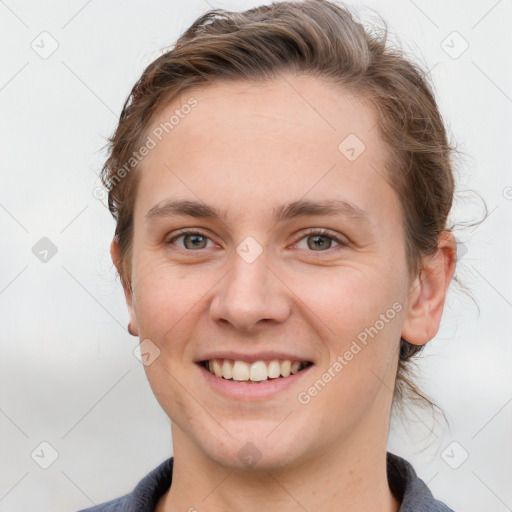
191,241
319,241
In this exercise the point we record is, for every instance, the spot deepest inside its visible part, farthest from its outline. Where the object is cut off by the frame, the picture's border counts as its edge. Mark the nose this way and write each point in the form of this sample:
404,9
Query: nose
250,295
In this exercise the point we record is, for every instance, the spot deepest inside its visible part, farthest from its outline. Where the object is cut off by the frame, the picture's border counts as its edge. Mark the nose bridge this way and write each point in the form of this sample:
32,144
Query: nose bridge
250,292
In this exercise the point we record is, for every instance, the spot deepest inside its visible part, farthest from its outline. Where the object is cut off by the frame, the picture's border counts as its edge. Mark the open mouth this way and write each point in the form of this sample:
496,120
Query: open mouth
254,373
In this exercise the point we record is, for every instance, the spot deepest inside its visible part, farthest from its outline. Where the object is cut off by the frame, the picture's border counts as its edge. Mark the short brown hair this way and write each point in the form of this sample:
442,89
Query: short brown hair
324,40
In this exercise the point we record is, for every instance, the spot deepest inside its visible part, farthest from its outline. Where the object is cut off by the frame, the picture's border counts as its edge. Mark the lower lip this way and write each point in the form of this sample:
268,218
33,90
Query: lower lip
247,391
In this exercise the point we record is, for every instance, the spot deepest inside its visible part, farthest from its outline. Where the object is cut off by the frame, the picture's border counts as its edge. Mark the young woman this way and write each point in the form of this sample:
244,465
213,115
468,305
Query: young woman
281,182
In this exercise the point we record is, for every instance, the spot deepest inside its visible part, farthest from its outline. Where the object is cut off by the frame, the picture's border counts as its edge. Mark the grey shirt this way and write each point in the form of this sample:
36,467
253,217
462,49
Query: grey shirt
410,491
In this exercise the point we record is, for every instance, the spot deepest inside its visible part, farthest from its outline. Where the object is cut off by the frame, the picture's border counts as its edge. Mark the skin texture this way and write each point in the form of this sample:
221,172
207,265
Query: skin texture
248,149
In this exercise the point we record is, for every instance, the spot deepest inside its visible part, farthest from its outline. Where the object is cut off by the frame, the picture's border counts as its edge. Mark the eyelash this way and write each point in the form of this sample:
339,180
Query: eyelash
320,232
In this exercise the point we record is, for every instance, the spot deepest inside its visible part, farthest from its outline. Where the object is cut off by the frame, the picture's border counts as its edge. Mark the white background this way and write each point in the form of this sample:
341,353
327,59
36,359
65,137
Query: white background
68,375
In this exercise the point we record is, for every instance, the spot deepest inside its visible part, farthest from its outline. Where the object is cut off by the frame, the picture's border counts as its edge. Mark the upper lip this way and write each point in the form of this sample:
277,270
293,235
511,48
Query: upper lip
250,358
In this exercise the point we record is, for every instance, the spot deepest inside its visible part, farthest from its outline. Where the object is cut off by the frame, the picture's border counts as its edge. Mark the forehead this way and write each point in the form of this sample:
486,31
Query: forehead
268,142
301,110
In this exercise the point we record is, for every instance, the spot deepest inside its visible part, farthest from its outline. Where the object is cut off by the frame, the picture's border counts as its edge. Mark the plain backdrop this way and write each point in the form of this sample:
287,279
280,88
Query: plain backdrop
69,378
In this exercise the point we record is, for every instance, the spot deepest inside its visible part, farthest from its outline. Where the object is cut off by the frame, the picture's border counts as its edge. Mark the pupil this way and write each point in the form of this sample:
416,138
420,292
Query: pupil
195,240
318,243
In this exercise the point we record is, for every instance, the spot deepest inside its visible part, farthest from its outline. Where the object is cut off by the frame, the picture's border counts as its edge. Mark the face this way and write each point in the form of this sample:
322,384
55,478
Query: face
325,287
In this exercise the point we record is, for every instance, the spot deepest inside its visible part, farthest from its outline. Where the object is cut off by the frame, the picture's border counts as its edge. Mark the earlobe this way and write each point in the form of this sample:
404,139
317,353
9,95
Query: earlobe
131,330
427,294
114,253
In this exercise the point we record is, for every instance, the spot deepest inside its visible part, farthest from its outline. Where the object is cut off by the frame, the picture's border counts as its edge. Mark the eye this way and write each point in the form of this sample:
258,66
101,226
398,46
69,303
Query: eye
320,240
192,240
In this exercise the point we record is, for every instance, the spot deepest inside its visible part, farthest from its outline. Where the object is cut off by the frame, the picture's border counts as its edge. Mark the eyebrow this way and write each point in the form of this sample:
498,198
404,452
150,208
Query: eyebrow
301,208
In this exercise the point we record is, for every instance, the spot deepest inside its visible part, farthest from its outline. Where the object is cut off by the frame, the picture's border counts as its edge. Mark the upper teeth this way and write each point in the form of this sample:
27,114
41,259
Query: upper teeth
257,371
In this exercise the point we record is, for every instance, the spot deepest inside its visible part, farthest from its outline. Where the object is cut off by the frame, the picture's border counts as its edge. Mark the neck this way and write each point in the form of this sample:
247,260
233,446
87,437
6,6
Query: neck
339,479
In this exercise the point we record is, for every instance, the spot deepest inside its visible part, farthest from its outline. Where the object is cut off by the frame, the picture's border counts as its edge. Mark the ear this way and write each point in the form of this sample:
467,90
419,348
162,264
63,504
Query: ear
114,253
427,294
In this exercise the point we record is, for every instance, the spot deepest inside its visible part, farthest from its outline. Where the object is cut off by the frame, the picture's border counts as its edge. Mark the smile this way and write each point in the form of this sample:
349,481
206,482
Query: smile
258,371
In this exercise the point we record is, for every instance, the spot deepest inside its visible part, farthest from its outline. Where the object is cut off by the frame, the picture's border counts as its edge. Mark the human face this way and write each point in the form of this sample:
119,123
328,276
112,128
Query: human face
248,150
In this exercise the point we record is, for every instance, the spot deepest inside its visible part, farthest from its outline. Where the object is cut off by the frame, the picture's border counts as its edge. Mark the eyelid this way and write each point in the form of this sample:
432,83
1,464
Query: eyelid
187,231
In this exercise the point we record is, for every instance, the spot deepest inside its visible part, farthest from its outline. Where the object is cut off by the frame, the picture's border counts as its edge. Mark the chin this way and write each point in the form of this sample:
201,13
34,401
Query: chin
256,452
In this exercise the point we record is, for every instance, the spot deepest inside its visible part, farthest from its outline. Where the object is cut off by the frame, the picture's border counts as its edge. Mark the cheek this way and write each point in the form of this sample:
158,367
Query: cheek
168,298
166,302
358,315
348,299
